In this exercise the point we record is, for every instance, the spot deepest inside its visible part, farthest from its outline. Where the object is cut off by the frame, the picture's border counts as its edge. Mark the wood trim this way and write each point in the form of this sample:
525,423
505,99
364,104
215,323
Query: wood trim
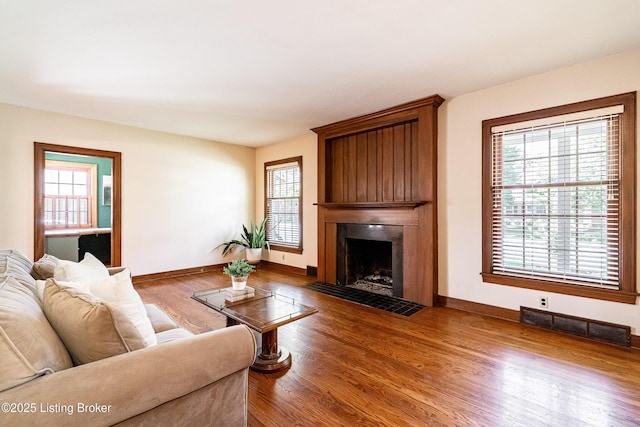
176,273
116,193
274,266
497,312
373,205
560,288
479,308
628,287
298,160
143,278
396,114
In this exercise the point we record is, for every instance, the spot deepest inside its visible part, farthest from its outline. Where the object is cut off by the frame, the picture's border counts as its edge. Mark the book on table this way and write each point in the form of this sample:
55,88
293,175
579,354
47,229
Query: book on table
234,295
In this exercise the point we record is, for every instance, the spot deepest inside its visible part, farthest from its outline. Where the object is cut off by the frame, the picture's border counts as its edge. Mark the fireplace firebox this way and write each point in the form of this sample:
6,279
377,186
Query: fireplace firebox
369,257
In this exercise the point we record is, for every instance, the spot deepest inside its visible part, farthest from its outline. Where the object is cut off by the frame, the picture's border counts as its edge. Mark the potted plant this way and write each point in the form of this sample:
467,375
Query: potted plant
239,271
252,239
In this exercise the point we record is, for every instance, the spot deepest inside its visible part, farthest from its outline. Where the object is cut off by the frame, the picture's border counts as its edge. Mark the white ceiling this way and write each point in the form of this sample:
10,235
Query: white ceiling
255,72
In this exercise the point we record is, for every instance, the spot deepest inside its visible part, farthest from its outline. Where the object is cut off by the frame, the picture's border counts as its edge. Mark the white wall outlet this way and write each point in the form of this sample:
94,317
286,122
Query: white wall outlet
544,302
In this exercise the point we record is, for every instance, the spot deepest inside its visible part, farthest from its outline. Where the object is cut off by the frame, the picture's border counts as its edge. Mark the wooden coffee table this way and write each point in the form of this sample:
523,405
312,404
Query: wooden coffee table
264,313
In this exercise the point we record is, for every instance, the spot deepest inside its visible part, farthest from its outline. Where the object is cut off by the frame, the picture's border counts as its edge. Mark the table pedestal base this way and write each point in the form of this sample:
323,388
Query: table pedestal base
270,357
272,365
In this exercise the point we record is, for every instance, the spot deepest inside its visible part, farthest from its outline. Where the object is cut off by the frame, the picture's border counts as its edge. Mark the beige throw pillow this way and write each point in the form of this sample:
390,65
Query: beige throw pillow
43,268
90,329
118,292
29,347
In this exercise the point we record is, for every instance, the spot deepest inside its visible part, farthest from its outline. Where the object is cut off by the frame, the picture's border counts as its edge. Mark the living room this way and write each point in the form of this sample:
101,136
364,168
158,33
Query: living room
183,195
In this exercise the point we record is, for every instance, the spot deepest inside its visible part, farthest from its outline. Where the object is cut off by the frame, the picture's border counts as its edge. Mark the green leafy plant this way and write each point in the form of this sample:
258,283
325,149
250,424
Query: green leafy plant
238,268
254,237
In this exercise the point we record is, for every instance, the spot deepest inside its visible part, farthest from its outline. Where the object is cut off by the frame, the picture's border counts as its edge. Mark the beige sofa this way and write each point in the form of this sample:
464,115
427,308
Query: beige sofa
184,380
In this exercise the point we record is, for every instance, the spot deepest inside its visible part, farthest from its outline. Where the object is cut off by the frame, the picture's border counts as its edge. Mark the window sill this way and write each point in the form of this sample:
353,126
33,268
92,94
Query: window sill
290,249
561,288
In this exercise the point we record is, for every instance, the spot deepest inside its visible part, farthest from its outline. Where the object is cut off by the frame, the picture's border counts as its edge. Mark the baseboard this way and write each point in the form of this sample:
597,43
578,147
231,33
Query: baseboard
498,312
212,268
177,273
284,268
478,308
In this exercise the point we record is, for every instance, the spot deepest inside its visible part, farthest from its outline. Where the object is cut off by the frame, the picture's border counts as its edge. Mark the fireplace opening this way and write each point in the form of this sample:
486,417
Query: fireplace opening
369,257
369,266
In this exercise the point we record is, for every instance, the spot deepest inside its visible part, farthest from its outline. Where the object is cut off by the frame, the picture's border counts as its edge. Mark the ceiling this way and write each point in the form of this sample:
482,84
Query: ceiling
256,72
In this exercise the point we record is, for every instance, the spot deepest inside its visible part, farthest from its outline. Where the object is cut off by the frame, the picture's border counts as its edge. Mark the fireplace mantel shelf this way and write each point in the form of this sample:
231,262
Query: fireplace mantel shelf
373,205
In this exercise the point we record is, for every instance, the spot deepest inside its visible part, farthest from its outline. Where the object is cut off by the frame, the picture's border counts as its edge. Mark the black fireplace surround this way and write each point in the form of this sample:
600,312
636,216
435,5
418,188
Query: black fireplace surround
362,247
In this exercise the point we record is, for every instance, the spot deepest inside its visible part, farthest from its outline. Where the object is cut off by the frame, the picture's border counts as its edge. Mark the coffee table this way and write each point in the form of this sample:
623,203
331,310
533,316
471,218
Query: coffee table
265,312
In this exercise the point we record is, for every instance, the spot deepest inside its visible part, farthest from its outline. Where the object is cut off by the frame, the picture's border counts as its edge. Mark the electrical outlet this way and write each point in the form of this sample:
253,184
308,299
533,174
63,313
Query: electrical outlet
544,302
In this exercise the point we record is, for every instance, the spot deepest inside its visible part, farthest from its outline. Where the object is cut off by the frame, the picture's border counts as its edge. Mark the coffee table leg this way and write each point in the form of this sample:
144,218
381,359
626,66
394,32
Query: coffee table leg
271,357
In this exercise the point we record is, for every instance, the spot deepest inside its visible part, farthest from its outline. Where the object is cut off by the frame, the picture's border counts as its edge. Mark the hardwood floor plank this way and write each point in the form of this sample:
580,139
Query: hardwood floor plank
355,365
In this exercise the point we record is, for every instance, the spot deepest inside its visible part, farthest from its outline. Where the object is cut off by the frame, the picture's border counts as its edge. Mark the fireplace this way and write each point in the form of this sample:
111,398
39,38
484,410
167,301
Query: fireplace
369,257
378,172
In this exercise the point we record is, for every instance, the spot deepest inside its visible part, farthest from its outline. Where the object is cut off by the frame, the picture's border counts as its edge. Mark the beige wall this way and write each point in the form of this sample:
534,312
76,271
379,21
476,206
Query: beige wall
306,147
460,176
181,196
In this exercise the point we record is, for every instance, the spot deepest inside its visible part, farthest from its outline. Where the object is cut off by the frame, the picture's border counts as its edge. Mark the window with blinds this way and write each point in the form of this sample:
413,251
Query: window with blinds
283,204
553,201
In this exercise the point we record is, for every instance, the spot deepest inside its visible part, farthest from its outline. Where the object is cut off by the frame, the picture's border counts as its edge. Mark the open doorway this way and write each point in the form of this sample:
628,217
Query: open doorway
77,205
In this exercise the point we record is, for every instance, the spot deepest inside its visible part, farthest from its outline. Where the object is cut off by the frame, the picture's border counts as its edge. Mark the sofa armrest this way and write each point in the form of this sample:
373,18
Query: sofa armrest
123,386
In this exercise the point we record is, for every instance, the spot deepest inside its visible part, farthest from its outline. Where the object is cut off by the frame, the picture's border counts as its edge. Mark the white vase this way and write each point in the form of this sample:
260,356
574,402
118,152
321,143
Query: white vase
254,255
238,282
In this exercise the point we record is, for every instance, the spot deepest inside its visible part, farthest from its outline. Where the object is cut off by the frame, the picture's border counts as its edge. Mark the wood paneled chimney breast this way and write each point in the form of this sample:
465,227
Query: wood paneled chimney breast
381,168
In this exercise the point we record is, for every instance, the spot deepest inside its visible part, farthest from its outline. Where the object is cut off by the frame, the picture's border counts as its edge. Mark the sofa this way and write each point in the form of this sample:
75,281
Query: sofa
48,377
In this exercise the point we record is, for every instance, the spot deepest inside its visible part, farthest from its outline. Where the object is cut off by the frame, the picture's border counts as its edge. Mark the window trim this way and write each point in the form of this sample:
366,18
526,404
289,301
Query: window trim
628,291
298,159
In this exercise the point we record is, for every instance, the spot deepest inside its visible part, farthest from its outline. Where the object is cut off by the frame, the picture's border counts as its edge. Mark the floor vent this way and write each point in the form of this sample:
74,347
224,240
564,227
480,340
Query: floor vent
594,329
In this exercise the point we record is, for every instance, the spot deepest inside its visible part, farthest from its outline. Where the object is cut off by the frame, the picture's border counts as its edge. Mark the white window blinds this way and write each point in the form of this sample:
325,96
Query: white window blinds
283,203
555,200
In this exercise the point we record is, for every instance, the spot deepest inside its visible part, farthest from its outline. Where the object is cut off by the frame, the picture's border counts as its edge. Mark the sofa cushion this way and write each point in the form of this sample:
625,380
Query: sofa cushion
90,268
29,346
43,268
88,326
172,335
118,292
159,319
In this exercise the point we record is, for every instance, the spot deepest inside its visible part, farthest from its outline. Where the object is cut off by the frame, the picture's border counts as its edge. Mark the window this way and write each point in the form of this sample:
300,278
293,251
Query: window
68,190
283,204
559,199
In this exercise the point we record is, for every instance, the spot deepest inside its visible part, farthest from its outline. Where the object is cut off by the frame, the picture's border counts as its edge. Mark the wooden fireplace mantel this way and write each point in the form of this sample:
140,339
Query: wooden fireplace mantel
381,168
373,205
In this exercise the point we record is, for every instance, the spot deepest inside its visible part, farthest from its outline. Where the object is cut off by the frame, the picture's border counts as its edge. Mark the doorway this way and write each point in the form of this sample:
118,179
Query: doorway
68,214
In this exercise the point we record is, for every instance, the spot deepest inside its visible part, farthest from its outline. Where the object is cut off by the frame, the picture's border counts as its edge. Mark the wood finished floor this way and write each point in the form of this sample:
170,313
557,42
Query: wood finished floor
355,365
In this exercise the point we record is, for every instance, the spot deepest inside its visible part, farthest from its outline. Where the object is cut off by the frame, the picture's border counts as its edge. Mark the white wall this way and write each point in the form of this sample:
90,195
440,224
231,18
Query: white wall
181,196
460,180
306,147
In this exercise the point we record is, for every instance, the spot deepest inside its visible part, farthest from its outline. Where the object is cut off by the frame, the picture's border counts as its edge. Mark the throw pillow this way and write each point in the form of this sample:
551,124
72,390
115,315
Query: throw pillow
118,292
90,268
90,329
43,268
29,347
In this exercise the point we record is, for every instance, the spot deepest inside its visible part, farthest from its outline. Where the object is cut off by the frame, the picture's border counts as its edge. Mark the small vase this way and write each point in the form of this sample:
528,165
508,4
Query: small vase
239,282
254,255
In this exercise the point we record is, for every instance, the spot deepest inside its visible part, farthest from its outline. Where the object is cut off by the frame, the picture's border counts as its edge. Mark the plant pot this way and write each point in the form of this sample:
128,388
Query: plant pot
254,255
239,282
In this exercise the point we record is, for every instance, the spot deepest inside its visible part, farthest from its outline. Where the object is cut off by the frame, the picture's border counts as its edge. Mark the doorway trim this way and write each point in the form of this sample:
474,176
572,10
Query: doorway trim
40,149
